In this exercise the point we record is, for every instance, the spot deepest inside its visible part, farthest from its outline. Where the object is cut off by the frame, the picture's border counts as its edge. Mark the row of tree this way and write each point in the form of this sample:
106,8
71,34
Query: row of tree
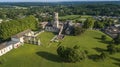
86,9
76,54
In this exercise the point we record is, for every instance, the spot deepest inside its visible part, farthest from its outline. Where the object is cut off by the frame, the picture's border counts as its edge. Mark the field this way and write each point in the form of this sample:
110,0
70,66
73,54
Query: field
45,55
75,17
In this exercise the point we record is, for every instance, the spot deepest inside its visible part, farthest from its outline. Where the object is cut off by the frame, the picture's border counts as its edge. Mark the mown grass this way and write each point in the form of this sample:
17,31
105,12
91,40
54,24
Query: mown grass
46,56
75,17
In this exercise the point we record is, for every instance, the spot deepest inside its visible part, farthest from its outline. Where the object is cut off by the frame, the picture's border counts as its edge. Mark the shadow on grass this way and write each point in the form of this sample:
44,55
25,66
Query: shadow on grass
97,38
106,42
116,59
101,41
99,49
118,64
49,56
94,57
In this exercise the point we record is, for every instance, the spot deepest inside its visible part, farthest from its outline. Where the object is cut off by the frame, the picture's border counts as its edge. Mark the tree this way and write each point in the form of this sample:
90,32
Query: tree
61,50
98,24
10,28
74,54
78,30
88,24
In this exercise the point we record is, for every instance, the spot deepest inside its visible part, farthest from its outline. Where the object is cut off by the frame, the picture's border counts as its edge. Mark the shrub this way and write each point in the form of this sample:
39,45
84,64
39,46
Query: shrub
71,54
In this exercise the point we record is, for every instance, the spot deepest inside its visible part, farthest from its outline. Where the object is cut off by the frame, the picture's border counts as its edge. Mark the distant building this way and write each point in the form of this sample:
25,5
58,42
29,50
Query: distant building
52,26
112,31
59,27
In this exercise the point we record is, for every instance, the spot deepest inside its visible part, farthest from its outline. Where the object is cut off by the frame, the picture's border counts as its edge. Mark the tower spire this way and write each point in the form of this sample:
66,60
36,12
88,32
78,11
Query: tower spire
56,21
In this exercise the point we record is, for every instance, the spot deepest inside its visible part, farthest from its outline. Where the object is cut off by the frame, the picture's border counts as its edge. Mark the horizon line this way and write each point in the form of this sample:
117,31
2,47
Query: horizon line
54,1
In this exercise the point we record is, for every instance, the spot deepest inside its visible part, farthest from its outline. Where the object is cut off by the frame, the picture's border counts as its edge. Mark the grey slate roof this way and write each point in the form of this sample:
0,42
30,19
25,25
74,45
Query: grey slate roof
4,45
21,34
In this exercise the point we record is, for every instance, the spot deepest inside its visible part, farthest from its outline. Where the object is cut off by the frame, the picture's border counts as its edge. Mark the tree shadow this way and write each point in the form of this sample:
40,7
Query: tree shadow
49,56
99,49
94,57
116,59
55,33
97,38
118,64
106,42
100,40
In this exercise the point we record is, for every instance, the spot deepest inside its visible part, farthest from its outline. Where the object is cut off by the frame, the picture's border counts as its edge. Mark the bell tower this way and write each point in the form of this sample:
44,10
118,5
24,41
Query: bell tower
56,21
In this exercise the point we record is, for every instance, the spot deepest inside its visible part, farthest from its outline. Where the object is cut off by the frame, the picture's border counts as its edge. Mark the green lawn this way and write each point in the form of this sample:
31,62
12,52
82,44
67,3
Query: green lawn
75,17
46,56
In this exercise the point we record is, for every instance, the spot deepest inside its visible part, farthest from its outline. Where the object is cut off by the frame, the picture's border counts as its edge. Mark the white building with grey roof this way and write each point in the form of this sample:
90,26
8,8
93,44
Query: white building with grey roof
5,47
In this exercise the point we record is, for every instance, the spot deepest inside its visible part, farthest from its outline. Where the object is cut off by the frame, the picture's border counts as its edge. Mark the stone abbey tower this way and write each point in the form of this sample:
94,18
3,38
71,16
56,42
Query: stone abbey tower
56,21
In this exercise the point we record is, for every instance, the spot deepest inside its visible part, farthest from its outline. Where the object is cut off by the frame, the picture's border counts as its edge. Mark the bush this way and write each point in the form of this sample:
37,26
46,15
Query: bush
78,31
71,54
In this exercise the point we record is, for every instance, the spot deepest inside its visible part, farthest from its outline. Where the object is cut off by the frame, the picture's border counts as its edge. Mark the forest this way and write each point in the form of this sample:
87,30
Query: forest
10,28
8,10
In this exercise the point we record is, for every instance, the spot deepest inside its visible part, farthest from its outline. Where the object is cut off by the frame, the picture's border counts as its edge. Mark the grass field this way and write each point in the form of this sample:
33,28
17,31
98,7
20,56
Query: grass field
75,17
45,55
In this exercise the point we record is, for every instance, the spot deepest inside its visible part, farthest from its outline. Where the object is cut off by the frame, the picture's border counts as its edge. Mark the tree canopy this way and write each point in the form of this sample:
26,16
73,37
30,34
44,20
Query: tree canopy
12,27
74,54
88,24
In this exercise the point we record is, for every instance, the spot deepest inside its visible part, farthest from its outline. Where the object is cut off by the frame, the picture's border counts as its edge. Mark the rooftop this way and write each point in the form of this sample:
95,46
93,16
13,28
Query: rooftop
3,45
21,34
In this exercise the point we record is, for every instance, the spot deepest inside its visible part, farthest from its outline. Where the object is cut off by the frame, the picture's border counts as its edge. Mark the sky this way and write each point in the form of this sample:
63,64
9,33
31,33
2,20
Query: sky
50,0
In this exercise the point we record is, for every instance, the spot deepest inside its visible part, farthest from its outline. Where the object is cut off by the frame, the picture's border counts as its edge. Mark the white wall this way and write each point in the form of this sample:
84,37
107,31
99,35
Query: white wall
16,45
22,39
6,49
